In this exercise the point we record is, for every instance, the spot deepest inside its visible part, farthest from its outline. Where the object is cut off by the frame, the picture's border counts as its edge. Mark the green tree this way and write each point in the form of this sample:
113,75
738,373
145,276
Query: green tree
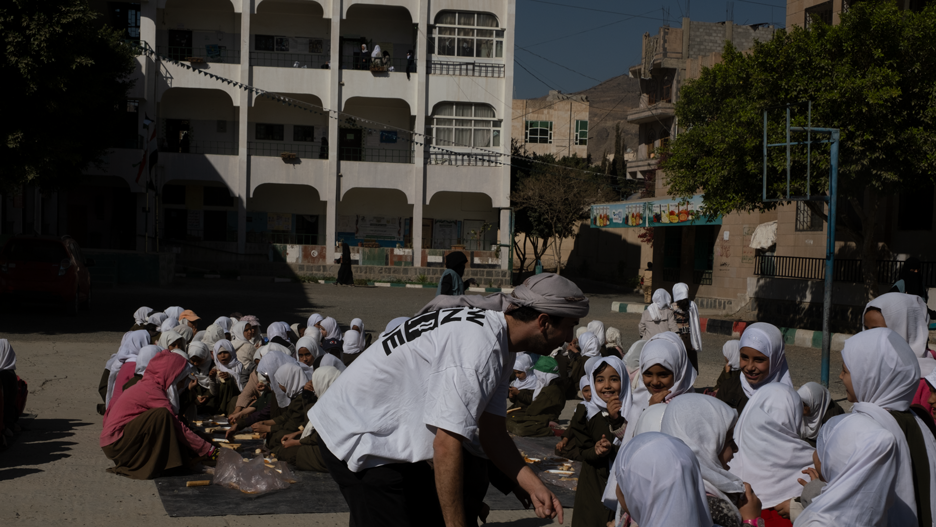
65,76
872,76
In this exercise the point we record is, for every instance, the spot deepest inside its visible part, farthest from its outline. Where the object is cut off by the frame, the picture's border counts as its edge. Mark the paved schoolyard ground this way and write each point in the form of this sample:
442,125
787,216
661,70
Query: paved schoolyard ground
54,473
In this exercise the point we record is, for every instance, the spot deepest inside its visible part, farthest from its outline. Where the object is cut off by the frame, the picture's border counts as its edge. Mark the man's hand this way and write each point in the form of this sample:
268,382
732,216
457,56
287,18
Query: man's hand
603,446
545,503
614,408
449,472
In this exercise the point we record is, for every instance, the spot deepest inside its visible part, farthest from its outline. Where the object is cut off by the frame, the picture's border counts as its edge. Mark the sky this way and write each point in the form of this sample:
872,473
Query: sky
581,43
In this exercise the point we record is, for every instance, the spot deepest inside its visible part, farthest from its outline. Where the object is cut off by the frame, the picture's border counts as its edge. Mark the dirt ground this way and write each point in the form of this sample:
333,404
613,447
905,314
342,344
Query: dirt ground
54,473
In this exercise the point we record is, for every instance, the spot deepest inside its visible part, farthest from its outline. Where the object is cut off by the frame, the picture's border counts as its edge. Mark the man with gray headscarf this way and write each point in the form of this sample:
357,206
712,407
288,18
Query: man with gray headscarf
433,390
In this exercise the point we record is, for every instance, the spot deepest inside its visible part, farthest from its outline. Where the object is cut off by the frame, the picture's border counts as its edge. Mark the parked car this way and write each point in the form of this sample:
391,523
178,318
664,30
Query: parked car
45,269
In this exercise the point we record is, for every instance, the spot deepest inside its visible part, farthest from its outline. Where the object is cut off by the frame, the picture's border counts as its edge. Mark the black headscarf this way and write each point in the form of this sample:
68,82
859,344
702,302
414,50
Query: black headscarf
456,261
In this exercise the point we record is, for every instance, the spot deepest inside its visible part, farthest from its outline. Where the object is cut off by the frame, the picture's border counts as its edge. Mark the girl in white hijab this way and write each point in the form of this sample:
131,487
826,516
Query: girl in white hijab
127,354
614,341
143,358
168,324
588,345
908,316
290,377
186,332
224,323
732,352
330,329
818,408
660,484
632,361
213,334
663,354
352,345
658,317
314,334
157,319
200,357
859,461
279,332
881,373
244,345
322,379
685,308
771,455
596,327
269,364
174,313
707,425
231,366
169,340
141,316
314,321
320,356
763,361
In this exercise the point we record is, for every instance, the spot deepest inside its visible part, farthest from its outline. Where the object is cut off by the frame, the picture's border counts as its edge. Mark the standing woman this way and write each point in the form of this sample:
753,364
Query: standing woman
345,274
142,433
686,315
658,317
762,361
451,282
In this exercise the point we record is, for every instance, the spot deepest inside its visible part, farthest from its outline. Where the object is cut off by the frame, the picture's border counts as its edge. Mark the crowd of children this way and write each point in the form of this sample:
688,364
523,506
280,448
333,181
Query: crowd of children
751,451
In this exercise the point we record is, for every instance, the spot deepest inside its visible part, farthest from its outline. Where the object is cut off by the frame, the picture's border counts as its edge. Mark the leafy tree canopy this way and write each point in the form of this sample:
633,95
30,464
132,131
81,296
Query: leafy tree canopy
65,76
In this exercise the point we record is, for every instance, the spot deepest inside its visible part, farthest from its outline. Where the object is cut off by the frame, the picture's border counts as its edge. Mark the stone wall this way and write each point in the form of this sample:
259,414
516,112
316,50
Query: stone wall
484,277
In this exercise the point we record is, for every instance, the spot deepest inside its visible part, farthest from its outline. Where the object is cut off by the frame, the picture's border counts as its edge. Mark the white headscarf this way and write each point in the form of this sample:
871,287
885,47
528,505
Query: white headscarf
7,356
580,330
128,352
330,325
274,357
157,319
146,354
322,379
278,329
172,393
859,462
292,378
598,404
667,350
660,480
596,327
237,331
234,367
885,376
613,336
588,344
169,337
352,344
524,363
680,292
732,351
376,53
632,361
543,378
141,316
908,316
314,319
186,332
817,398
767,339
661,301
213,334
583,382
771,455
224,323
168,324
312,345
703,422
200,349
174,313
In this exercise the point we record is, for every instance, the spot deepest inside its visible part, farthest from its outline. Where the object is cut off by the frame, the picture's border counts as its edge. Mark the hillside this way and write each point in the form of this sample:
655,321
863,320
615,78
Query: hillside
610,102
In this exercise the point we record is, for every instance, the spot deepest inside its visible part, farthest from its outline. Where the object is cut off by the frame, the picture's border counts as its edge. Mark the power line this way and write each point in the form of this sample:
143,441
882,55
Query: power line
583,31
557,64
532,75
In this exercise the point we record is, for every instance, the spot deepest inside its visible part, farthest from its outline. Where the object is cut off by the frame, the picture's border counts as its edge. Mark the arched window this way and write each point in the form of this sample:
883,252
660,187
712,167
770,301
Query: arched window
464,34
466,125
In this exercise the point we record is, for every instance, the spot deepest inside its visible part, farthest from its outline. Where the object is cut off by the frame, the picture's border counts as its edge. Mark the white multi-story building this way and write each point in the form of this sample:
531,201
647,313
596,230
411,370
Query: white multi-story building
237,170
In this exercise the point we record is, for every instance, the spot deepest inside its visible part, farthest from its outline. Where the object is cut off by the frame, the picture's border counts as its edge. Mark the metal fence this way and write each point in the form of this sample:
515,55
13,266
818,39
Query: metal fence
845,270
467,69
224,148
375,155
287,60
350,62
209,53
277,148
467,159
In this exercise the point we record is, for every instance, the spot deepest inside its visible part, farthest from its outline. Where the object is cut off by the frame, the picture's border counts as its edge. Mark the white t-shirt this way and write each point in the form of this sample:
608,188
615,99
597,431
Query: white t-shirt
442,369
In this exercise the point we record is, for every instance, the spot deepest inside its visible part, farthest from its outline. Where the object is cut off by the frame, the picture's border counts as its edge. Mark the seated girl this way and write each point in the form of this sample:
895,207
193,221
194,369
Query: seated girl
227,374
546,405
123,364
818,408
658,317
245,343
674,495
707,427
732,352
146,354
302,449
665,373
12,390
604,422
521,389
142,433
204,393
570,446
762,362
771,455
320,356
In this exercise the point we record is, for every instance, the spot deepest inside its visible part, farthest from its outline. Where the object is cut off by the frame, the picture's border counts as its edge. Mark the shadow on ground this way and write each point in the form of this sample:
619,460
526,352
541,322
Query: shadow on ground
39,444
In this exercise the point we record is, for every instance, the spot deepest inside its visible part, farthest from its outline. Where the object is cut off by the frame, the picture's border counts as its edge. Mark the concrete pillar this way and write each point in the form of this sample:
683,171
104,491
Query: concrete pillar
685,37
242,192
333,102
506,243
502,197
420,168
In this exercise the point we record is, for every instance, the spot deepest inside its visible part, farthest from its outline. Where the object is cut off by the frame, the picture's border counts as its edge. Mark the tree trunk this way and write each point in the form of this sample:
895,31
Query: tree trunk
557,251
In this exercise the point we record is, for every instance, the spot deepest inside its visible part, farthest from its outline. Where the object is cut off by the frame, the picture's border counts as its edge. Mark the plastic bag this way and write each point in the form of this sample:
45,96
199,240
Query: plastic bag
251,477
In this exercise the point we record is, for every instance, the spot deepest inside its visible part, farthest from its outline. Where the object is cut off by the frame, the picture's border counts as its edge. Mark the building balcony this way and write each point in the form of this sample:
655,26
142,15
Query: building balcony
376,155
655,112
210,53
642,165
287,60
466,69
383,65
287,151
221,148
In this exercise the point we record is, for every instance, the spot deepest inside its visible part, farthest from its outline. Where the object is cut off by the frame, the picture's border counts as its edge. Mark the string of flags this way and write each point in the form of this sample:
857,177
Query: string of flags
488,157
